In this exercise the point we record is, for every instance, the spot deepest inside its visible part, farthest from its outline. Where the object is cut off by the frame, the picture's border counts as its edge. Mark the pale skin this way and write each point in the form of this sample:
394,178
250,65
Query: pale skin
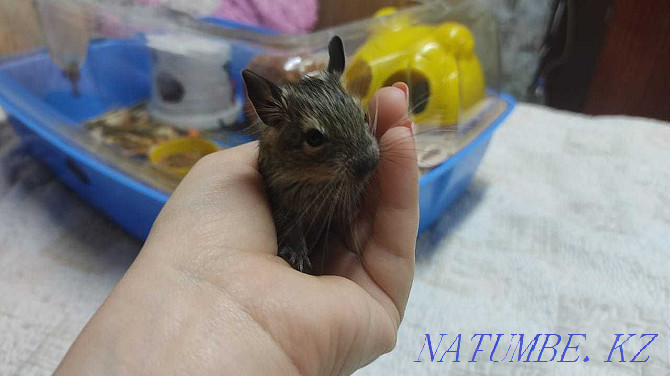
208,295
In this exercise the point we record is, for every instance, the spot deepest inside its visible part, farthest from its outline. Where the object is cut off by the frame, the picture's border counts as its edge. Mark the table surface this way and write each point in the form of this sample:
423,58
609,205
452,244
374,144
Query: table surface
564,229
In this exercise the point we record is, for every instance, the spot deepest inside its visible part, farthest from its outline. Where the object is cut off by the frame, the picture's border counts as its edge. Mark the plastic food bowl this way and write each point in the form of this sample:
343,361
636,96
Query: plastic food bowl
40,106
185,147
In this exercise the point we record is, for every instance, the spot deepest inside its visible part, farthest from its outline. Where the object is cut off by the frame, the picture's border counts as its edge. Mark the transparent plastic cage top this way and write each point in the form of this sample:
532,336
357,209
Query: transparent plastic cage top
127,83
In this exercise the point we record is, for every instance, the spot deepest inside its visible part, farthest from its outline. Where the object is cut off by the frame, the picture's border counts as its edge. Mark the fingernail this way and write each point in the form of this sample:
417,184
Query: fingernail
403,86
413,128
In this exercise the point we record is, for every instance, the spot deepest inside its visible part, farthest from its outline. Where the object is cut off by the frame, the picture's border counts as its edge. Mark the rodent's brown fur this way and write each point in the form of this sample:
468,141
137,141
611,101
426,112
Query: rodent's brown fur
313,191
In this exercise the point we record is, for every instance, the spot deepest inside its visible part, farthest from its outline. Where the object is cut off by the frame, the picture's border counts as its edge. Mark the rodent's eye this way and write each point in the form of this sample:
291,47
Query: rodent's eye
314,138
367,120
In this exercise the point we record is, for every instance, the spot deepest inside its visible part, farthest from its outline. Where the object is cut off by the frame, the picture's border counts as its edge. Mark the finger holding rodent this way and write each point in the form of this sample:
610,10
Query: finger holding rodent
389,108
211,171
398,175
222,194
388,256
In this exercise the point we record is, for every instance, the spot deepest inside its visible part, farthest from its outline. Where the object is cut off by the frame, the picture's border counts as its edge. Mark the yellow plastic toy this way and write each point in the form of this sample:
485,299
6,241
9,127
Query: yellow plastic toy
178,155
437,62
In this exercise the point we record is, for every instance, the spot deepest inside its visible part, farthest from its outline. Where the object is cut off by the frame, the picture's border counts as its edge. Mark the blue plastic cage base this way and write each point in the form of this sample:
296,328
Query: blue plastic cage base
119,75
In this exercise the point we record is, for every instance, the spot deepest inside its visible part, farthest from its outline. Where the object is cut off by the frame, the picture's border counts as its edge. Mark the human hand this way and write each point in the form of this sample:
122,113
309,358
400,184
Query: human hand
208,293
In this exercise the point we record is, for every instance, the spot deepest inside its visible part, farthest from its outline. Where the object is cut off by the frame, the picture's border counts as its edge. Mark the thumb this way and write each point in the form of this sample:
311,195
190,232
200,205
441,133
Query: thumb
389,258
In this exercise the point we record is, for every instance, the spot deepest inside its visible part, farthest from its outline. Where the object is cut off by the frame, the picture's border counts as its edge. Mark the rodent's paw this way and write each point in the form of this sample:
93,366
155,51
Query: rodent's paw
298,259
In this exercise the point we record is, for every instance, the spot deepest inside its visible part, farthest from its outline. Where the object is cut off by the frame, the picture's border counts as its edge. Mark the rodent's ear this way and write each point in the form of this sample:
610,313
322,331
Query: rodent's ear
336,54
264,95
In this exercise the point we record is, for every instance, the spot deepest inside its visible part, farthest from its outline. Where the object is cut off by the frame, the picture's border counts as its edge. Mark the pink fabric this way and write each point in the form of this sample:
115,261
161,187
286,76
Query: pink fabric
286,16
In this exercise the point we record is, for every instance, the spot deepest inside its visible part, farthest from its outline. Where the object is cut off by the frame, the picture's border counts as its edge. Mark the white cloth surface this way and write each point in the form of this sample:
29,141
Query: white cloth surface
565,229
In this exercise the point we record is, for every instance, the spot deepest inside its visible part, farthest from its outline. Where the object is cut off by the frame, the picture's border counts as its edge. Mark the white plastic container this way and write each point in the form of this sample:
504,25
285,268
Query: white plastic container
191,86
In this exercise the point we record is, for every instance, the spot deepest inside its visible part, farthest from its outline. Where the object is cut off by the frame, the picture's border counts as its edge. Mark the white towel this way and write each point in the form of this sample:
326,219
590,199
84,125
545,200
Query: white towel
565,229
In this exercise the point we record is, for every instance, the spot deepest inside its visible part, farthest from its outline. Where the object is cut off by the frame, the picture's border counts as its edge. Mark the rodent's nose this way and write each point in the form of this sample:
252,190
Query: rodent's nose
364,165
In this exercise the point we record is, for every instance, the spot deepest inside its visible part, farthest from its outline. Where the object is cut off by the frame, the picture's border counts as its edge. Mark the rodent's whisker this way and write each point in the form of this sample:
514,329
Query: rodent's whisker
425,141
404,118
374,128
325,225
297,222
395,163
398,150
360,233
397,155
371,193
311,224
251,130
330,218
333,185
420,102
348,231
442,130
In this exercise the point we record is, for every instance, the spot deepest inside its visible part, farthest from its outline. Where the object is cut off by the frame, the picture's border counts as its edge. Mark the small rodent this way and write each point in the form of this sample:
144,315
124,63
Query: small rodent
317,153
